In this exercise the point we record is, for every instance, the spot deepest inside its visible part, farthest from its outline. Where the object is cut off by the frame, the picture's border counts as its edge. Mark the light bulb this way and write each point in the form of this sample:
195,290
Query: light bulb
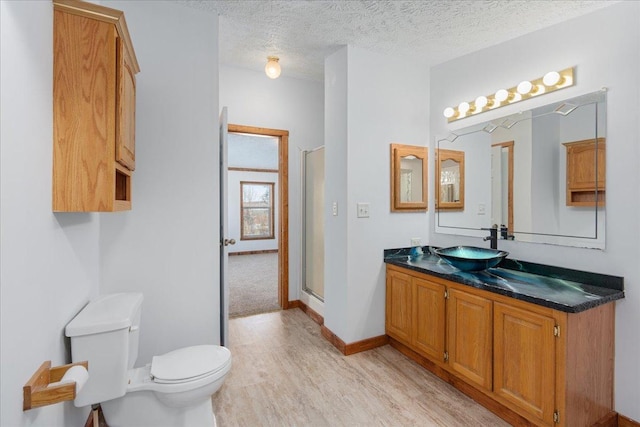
449,112
552,78
481,102
272,69
463,107
524,87
502,95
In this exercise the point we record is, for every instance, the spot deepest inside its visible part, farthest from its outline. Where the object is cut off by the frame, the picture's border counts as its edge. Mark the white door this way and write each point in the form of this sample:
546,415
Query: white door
224,225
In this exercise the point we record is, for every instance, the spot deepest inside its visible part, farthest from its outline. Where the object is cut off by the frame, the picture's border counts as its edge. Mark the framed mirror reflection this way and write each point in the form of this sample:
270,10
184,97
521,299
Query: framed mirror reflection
408,178
539,173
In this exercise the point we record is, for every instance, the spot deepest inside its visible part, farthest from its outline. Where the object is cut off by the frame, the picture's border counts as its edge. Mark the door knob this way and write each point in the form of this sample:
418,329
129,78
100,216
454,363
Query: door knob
228,242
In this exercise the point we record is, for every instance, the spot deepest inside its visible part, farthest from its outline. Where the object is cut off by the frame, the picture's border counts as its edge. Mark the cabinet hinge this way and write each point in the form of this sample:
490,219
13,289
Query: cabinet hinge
556,417
446,356
556,331
446,294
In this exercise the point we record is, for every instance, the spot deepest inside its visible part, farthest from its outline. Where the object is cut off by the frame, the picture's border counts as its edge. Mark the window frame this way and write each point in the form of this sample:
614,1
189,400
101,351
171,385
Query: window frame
271,213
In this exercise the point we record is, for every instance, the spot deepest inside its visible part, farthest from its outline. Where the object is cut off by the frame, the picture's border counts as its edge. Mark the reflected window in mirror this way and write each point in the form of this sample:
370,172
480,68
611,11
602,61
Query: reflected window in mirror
450,179
408,178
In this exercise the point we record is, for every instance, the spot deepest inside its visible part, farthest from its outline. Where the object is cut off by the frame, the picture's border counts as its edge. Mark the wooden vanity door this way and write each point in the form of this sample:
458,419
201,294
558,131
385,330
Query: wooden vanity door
126,104
524,360
470,336
428,332
398,306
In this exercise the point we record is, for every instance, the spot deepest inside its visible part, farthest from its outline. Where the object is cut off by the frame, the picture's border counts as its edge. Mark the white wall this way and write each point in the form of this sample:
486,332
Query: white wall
371,101
49,262
285,103
167,246
605,48
234,197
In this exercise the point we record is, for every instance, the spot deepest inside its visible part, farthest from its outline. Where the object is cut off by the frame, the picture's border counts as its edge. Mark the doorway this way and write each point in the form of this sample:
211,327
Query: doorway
258,211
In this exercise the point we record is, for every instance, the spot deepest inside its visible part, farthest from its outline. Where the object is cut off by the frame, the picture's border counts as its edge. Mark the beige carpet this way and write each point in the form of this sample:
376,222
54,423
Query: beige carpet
253,284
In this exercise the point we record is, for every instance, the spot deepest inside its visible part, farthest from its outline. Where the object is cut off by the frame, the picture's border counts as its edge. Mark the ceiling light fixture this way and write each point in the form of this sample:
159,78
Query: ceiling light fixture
550,82
272,69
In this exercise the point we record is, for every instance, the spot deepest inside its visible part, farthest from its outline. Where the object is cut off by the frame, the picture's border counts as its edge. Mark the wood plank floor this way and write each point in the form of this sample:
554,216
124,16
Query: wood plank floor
285,374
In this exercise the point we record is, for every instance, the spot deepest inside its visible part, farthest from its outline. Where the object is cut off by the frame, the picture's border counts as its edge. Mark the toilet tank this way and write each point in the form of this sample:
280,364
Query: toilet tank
105,333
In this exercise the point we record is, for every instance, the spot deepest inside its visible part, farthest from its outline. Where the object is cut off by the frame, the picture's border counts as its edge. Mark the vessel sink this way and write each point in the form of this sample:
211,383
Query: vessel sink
471,258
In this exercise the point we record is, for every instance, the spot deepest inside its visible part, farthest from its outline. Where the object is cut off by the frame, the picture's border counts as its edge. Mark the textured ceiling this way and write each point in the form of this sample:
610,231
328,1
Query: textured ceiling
303,32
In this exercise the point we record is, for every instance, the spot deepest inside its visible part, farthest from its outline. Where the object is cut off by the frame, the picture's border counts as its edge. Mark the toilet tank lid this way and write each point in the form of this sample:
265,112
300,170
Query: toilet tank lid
106,313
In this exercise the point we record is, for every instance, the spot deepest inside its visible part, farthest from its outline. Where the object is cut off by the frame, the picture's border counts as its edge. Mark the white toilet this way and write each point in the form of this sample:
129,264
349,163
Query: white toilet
173,390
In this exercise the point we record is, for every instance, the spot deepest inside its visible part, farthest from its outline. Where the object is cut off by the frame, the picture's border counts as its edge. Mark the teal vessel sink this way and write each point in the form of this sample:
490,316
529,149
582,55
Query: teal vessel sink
471,258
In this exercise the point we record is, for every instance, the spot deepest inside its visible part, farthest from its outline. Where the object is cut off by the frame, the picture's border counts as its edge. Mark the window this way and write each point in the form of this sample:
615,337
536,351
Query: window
256,210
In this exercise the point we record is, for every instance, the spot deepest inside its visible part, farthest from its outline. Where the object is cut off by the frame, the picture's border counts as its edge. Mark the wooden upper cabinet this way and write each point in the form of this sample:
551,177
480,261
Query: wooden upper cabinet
126,117
470,339
94,68
586,172
524,360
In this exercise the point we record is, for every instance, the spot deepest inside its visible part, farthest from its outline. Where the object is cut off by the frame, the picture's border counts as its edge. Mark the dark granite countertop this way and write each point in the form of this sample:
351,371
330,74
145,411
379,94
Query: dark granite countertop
562,289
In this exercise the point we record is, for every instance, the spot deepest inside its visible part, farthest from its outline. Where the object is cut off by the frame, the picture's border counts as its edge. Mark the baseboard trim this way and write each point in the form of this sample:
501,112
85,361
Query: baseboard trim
314,315
627,422
344,348
355,347
266,251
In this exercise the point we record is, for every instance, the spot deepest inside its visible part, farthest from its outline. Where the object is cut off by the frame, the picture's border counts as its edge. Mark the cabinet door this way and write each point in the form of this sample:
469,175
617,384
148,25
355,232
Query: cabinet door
470,337
126,104
428,330
398,306
524,364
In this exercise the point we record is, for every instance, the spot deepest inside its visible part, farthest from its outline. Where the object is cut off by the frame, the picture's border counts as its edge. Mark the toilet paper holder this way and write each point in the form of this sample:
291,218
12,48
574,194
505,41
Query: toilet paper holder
37,391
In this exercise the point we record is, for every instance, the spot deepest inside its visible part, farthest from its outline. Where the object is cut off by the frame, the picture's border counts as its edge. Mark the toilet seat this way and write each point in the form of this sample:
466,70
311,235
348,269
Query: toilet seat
181,370
188,364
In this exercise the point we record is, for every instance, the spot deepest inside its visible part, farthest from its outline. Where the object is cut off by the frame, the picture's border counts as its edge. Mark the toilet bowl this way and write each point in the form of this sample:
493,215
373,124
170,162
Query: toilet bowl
174,390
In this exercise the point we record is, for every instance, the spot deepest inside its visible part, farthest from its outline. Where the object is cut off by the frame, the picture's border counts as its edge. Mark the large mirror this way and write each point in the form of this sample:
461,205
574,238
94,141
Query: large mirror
539,175
408,178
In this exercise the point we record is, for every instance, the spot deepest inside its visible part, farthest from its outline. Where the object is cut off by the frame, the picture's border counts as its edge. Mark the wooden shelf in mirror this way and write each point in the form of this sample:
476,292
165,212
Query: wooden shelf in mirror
449,179
586,172
408,178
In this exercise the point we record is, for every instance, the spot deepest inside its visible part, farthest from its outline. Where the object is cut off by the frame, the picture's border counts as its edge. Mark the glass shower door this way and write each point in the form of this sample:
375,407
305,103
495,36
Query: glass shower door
313,236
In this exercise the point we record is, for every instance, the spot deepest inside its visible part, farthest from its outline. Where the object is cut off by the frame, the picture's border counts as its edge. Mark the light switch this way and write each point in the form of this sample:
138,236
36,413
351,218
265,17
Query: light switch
481,209
363,210
334,209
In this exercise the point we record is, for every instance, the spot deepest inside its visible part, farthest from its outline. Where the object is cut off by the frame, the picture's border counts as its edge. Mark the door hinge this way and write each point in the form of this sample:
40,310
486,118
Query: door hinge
556,331
446,294
556,417
446,356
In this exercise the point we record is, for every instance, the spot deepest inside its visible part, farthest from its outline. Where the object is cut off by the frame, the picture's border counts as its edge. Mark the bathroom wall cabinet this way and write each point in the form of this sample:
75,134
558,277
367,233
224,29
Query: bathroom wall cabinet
530,364
94,93
586,172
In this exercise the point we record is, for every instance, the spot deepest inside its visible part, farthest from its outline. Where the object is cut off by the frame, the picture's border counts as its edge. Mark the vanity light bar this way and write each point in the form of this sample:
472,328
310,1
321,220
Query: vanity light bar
550,82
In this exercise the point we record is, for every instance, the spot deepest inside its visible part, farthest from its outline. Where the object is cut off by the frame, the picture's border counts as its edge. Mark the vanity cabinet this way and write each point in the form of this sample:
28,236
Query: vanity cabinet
94,92
428,323
530,364
586,172
524,360
469,325
399,308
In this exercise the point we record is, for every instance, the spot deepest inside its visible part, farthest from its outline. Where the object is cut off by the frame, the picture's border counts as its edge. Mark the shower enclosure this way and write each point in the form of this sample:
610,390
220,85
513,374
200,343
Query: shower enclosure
313,222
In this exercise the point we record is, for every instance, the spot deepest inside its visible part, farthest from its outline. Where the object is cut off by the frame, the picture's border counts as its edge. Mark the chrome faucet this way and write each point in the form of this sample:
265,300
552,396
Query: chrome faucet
493,236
